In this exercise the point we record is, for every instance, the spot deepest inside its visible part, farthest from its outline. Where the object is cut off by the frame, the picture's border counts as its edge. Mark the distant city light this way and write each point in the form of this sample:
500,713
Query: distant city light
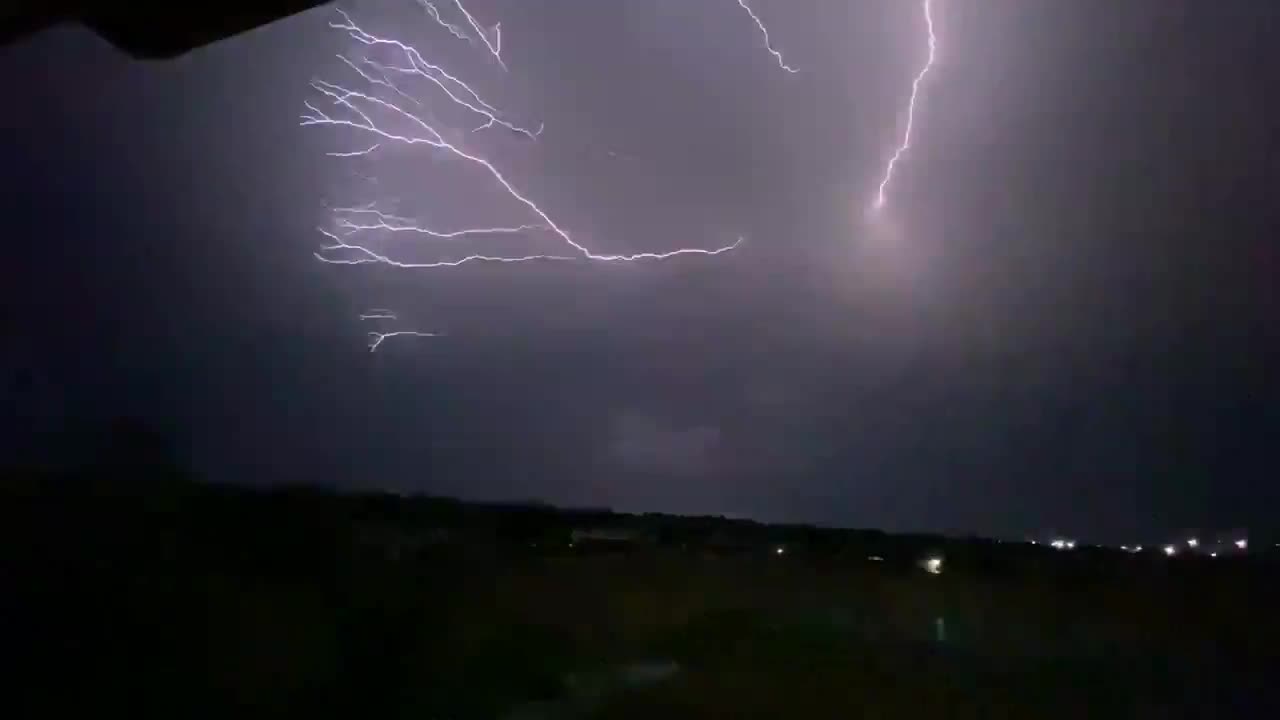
1138,549
1192,542
1242,543
1124,548
1071,544
779,550
1058,544
933,566
1170,550
1213,554
875,558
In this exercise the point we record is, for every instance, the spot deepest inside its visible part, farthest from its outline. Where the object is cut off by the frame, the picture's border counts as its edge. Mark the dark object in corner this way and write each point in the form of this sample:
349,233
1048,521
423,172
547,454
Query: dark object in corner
145,30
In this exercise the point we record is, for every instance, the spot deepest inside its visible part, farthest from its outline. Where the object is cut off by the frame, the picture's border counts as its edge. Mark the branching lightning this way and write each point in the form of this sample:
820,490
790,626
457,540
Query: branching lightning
361,255
470,99
765,31
376,338
344,107
495,45
911,109
394,224
454,30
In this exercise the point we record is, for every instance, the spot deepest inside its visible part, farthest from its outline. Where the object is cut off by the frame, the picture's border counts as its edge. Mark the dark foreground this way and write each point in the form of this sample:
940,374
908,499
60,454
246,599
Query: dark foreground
197,602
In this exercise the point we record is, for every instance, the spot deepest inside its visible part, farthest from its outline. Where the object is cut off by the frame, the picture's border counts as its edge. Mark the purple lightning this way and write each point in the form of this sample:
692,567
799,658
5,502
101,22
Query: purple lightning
765,31
355,110
911,109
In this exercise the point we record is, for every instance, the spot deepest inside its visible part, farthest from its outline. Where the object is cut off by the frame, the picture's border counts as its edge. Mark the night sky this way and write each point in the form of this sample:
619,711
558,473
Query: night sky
1066,317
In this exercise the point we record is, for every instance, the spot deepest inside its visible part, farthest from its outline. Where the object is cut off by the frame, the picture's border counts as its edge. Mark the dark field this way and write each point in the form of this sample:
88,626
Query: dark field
197,601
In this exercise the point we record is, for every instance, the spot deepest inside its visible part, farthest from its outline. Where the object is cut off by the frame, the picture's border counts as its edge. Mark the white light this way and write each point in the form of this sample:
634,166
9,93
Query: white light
933,566
1242,543
1170,550
779,550
1138,549
1213,554
1124,548
1071,544
1059,544
1192,542
875,558
911,110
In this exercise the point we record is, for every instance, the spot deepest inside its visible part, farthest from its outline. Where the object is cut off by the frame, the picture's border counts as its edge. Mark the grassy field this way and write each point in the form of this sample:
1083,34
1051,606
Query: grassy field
268,606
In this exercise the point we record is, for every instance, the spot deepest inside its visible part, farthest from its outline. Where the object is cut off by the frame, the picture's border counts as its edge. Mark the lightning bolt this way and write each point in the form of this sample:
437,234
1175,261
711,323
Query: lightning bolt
378,314
468,98
392,223
376,338
911,108
495,46
454,30
355,153
355,110
765,31
357,254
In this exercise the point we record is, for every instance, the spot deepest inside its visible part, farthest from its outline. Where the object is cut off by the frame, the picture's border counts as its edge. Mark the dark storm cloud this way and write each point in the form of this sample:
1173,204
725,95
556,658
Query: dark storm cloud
1063,320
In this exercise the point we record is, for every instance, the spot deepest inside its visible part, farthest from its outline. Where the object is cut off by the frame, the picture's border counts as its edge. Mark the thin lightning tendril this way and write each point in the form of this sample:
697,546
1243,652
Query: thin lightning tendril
495,46
378,314
911,109
355,108
454,30
355,153
376,338
361,255
392,223
765,31
421,68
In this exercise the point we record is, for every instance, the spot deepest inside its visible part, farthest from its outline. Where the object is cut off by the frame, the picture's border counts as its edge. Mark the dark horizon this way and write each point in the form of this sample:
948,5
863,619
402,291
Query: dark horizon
1060,322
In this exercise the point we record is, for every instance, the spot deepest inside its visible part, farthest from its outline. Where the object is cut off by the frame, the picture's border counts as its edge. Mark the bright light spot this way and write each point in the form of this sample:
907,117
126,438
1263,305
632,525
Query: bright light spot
1192,542
875,558
933,566
1213,554
1059,544
1242,543
1124,548
1138,549
1170,550
1071,544
779,550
